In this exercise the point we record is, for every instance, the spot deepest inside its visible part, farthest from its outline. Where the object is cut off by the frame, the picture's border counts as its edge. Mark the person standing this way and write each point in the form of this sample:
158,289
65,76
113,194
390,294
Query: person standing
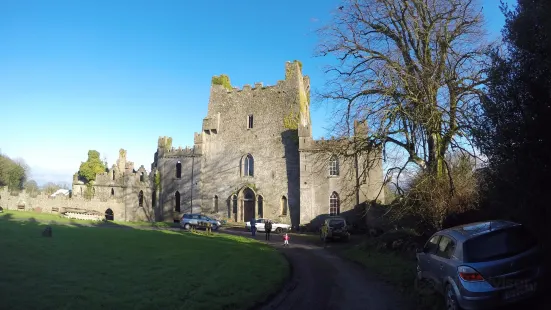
268,229
286,240
253,226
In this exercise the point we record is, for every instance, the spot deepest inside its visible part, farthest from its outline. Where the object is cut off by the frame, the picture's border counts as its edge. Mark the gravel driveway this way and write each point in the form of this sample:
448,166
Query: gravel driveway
322,280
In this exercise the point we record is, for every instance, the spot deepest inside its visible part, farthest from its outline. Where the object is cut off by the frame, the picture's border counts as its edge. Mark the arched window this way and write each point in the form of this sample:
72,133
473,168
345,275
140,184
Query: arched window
215,203
284,205
140,199
260,206
179,170
234,204
142,177
334,166
177,201
334,204
112,192
113,175
248,165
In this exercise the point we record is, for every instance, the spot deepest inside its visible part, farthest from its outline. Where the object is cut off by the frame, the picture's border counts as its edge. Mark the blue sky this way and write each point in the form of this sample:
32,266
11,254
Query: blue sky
105,75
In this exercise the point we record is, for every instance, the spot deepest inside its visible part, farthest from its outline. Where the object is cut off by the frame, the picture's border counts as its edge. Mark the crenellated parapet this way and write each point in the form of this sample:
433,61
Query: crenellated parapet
178,152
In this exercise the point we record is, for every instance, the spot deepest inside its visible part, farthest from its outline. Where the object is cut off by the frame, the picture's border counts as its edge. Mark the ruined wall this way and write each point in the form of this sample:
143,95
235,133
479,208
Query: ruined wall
43,203
226,140
131,191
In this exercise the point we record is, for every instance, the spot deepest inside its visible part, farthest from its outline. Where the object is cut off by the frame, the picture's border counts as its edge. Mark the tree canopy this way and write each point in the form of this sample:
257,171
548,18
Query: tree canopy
514,130
13,173
91,167
412,69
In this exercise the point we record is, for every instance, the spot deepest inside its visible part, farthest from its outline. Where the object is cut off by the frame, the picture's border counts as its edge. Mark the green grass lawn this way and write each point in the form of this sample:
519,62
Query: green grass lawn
97,267
59,219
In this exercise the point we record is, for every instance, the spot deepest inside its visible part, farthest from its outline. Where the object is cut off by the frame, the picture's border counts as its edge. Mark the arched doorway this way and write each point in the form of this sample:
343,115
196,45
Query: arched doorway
109,215
177,201
248,204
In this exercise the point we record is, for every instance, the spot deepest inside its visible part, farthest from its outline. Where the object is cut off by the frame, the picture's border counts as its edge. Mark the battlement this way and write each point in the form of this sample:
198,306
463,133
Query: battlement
293,70
179,152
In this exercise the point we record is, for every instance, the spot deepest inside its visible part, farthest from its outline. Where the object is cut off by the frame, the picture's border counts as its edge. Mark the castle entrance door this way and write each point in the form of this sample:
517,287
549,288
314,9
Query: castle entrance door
248,205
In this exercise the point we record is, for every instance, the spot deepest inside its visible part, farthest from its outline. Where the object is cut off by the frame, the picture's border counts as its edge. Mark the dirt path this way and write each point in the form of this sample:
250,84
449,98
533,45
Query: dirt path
322,280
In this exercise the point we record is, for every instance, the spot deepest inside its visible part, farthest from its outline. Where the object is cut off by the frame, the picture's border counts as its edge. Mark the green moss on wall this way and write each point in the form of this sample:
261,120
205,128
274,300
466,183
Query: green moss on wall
223,80
158,181
299,64
290,121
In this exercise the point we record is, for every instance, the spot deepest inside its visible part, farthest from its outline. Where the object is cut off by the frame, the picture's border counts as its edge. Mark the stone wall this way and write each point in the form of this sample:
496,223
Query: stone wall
352,186
43,203
272,146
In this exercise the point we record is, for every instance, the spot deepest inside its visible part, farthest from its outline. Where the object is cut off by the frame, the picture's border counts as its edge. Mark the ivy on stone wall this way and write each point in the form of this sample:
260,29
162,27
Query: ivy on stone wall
290,121
158,181
89,192
223,80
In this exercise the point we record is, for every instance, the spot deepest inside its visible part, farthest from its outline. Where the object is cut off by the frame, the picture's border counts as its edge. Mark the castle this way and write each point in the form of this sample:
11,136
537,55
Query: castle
254,157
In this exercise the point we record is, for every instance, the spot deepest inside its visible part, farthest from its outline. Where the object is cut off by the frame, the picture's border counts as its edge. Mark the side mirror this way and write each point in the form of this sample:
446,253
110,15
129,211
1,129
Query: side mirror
419,250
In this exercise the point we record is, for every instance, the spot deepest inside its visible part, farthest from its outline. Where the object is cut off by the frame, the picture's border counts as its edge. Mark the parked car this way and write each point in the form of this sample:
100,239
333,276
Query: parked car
334,226
276,227
482,265
189,220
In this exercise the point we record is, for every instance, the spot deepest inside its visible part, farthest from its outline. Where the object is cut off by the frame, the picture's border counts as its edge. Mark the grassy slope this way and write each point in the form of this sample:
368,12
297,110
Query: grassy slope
90,268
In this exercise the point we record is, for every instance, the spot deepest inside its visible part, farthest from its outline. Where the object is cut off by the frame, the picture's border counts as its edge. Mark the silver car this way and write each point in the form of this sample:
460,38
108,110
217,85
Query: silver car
482,265
189,220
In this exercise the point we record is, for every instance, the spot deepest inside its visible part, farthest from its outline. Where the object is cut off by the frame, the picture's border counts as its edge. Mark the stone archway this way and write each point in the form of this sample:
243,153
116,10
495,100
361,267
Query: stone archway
248,204
109,215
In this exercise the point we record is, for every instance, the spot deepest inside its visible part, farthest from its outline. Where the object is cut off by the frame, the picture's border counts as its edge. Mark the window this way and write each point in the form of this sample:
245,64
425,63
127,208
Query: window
215,203
140,199
179,170
250,121
177,201
334,204
283,205
498,244
113,175
248,165
234,204
333,166
446,247
431,245
142,177
260,206
112,192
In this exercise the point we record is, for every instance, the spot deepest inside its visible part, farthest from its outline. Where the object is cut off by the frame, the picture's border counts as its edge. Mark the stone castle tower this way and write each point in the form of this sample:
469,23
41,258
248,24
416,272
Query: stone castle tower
255,157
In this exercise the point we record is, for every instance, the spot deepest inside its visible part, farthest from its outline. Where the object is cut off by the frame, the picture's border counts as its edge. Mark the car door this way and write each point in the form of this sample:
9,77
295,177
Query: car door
260,225
443,262
426,258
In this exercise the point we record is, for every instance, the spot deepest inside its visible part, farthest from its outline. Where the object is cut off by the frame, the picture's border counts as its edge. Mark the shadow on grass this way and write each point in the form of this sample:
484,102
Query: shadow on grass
86,266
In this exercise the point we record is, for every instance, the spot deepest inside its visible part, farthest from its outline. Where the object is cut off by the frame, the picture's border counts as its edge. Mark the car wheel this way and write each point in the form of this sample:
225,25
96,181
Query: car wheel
278,230
186,226
451,299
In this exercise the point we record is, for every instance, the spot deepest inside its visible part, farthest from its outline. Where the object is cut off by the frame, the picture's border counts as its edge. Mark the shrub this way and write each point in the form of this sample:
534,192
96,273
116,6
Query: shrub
432,198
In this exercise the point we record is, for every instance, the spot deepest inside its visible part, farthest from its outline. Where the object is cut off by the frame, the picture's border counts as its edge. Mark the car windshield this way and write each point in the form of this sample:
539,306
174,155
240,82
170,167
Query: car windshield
498,245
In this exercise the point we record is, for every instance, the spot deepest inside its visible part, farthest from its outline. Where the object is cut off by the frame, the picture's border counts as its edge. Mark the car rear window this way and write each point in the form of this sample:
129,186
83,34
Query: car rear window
336,222
498,245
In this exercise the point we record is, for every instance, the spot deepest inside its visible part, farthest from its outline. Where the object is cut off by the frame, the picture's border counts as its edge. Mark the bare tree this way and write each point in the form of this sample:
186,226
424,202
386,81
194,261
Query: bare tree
412,69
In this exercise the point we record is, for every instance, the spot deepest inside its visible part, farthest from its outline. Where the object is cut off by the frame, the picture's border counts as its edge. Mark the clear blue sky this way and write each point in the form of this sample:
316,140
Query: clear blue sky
105,75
